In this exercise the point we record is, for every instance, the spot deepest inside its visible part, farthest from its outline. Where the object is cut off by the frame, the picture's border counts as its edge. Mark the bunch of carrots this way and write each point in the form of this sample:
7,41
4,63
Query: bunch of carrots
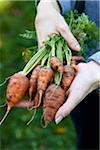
46,78
52,70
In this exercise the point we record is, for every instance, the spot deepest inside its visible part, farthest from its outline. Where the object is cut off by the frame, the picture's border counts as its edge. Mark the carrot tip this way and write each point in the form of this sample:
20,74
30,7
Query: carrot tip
42,123
34,113
40,98
30,108
6,114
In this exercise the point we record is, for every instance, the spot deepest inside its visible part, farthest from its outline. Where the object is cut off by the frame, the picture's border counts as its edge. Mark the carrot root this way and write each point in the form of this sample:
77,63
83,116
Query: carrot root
6,114
6,79
30,108
40,99
34,113
42,123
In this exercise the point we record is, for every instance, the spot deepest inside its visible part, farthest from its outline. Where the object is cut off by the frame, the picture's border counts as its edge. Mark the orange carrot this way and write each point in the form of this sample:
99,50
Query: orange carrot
57,65
70,72
45,76
33,81
68,76
77,59
16,89
54,97
36,99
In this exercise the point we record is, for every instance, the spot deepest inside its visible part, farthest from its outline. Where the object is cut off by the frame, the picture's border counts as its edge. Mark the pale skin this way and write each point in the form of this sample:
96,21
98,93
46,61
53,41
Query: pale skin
49,21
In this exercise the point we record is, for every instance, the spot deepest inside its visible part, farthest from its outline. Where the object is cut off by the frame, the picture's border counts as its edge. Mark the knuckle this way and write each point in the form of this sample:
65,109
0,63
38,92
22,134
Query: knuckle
73,41
63,28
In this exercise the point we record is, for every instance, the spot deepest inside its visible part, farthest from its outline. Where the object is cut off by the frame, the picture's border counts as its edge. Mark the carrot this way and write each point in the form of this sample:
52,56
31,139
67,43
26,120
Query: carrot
16,89
45,76
68,76
57,65
70,72
76,59
54,97
33,81
36,100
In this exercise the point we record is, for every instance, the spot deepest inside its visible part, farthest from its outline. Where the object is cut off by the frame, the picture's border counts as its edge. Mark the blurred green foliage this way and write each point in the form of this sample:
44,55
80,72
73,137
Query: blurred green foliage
15,18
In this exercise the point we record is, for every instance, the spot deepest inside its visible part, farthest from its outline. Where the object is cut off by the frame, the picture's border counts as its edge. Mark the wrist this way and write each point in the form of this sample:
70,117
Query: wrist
49,3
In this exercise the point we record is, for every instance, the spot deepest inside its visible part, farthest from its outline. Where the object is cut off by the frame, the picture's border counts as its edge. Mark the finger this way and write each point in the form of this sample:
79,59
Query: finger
72,101
43,32
66,33
67,107
42,39
78,91
24,104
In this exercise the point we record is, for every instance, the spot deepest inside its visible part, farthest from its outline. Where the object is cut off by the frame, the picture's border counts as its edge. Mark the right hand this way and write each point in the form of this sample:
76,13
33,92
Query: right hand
49,21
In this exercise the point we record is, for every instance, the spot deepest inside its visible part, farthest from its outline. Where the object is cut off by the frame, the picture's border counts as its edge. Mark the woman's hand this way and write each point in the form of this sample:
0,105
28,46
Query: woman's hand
49,21
86,80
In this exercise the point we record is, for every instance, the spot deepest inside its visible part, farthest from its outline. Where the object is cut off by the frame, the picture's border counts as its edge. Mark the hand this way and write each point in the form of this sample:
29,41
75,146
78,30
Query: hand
86,80
49,21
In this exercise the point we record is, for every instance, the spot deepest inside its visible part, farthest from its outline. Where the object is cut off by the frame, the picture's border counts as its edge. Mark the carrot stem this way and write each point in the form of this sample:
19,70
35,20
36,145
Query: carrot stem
57,78
68,54
44,59
48,63
33,59
34,63
59,50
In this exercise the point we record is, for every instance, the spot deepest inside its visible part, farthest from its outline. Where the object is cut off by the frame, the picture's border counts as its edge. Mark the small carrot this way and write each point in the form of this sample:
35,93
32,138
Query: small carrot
45,76
70,72
68,76
77,59
57,65
16,89
54,97
33,81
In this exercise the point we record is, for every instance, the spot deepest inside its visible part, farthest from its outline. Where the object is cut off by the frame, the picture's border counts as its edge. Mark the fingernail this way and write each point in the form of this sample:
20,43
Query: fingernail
58,119
78,47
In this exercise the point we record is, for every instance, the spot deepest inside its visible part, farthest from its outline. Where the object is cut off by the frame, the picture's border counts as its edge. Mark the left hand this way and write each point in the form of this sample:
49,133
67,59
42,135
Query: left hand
86,80
49,21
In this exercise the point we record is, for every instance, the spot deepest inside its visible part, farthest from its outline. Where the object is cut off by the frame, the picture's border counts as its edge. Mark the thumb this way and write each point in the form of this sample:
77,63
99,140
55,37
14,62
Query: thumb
68,36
